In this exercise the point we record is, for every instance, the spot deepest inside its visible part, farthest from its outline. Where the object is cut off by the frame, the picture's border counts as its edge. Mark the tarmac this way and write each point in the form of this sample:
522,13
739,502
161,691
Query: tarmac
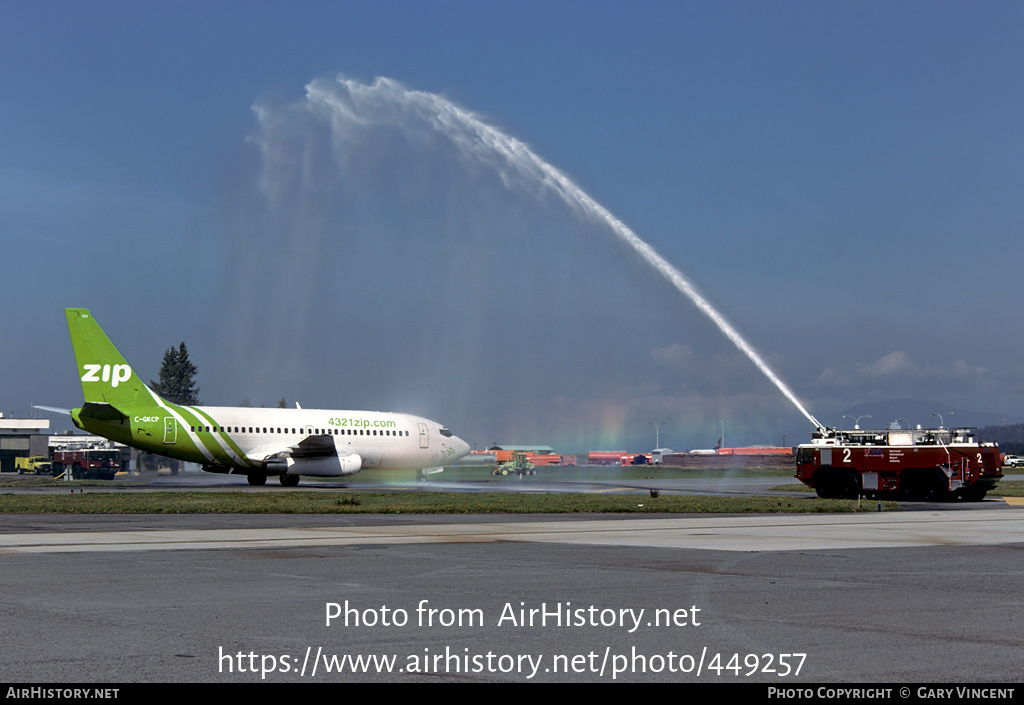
891,597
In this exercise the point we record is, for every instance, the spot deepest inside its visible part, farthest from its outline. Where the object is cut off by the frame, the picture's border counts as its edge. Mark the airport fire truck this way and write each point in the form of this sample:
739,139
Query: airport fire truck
910,464
87,463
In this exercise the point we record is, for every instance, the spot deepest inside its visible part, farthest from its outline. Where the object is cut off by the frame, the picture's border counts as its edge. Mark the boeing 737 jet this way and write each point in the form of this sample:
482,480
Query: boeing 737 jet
254,442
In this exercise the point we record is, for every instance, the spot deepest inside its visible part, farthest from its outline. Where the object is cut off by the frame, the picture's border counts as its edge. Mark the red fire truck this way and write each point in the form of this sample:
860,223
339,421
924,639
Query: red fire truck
87,463
920,464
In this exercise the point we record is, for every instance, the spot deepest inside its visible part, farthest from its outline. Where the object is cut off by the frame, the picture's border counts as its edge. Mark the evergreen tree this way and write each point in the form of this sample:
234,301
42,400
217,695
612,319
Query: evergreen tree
177,384
177,377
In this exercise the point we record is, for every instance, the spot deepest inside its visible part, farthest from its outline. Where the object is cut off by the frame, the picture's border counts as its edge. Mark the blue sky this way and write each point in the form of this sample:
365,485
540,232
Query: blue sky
843,180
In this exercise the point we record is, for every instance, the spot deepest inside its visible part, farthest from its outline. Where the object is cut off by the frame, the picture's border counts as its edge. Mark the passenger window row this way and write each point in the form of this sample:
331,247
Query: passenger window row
314,432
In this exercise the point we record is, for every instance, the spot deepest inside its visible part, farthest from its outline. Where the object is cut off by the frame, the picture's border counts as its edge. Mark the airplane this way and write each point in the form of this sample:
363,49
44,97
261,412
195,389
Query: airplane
243,440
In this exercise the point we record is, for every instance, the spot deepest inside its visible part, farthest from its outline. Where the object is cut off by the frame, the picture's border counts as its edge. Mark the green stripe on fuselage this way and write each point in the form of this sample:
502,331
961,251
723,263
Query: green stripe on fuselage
218,439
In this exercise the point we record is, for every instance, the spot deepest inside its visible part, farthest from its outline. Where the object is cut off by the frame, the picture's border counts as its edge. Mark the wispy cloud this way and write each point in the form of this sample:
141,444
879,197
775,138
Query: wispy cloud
896,368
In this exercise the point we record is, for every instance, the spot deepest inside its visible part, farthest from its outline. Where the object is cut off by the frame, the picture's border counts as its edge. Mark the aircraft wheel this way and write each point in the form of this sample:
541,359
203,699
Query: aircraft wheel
289,480
256,479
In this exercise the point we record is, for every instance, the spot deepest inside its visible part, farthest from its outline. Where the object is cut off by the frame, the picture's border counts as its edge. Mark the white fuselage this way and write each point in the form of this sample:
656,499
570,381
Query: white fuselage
380,439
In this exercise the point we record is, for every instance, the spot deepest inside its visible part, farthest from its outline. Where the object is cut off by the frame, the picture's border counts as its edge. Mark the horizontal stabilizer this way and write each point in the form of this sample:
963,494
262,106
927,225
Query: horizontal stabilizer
52,409
101,412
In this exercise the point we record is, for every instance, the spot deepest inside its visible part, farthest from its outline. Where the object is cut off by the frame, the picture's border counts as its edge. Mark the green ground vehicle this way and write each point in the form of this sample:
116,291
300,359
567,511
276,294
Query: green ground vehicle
519,465
33,465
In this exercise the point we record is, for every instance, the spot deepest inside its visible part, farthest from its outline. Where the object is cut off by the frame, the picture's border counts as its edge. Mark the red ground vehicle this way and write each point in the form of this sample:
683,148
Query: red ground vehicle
539,459
87,463
922,464
605,457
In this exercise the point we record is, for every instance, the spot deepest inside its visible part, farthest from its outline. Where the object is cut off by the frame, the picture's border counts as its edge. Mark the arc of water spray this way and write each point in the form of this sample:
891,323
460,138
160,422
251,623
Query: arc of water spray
370,103
684,285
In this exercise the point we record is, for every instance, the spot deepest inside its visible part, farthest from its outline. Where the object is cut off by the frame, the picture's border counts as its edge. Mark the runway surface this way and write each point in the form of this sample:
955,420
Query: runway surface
901,597
743,533
580,481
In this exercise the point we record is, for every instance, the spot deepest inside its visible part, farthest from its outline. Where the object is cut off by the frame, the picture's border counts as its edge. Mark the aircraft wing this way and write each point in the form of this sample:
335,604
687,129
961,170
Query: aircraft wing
313,455
313,446
309,447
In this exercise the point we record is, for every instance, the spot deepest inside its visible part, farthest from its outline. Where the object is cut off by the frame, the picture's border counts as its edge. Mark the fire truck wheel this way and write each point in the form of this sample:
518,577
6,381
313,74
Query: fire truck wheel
824,485
922,486
935,490
256,479
849,488
974,494
909,490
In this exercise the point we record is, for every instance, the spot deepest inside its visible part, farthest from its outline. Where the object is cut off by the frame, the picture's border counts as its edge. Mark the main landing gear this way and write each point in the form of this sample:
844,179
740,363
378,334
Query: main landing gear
258,479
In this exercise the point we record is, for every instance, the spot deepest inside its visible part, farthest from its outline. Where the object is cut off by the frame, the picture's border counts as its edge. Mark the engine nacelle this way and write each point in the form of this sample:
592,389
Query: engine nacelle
324,466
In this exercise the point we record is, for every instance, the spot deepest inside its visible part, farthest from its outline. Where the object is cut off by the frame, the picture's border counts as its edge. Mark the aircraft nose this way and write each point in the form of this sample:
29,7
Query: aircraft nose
461,448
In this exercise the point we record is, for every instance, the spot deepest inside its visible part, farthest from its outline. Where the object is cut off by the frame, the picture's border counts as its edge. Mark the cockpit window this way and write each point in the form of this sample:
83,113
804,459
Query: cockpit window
445,432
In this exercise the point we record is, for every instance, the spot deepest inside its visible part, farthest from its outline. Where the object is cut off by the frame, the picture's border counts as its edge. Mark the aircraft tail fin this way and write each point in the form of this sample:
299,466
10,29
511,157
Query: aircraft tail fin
107,378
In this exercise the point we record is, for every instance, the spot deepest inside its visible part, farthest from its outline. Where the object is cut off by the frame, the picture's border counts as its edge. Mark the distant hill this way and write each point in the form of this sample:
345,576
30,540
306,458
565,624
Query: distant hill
1010,437
919,411
916,412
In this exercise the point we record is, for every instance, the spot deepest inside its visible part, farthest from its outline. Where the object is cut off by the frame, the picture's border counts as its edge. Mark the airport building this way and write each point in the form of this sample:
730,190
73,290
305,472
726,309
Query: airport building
21,438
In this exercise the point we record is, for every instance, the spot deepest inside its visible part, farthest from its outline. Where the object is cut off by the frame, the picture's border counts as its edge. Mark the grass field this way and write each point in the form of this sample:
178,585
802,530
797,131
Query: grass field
82,497
275,501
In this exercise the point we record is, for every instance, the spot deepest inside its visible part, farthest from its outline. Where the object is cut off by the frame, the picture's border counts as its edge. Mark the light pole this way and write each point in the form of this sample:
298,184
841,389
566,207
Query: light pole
856,420
657,436
940,418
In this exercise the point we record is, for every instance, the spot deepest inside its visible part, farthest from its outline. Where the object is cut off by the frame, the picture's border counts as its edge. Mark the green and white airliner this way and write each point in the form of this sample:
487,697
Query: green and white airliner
242,440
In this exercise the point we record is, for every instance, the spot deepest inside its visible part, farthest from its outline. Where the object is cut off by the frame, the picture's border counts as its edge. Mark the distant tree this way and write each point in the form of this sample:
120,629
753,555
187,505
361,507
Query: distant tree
1010,437
281,404
177,377
177,384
